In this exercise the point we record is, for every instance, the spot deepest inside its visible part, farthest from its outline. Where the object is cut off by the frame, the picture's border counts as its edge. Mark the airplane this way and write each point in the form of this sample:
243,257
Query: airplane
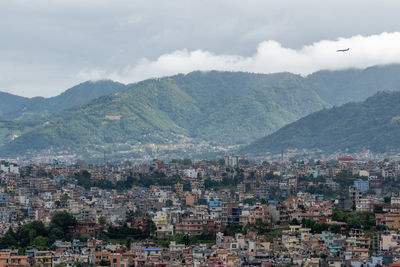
343,50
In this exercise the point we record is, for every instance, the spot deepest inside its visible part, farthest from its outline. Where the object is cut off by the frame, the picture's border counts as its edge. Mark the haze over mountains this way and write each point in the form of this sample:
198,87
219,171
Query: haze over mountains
219,108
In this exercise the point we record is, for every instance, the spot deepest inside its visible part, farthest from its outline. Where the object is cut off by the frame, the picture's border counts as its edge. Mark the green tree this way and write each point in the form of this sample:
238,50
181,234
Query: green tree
8,240
102,221
63,221
221,162
40,242
169,203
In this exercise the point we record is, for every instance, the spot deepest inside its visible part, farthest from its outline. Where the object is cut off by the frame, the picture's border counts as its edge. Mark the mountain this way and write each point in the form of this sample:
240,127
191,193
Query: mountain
373,124
224,108
343,86
333,87
9,130
10,104
220,109
16,107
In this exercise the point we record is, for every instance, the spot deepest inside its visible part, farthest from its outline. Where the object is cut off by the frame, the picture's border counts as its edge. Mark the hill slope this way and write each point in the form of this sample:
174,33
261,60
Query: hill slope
373,124
343,86
10,104
220,107
17,107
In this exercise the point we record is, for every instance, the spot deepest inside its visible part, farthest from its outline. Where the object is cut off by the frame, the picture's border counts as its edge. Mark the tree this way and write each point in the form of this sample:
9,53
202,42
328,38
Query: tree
243,162
335,228
127,163
221,162
63,221
169,203
57,203
131,216
233,229
151,226
102,221
55,234
295,222
8,240
265,163
186,162
40,242
202,201
270,176
182,239
187,186
104,263
250,201
247,187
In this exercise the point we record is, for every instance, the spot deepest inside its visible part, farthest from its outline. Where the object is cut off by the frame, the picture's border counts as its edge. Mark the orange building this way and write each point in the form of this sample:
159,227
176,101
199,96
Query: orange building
90,229
12,259
190,200
114,259
391,220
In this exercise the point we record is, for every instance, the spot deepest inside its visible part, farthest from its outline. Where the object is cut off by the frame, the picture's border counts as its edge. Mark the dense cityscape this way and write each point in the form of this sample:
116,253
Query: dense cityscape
213,133
229,212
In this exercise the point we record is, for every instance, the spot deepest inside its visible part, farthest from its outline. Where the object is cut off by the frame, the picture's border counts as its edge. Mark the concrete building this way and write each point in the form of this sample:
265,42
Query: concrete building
361,185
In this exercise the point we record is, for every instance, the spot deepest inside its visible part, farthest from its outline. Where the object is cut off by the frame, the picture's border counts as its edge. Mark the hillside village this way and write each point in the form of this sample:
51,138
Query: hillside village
343,212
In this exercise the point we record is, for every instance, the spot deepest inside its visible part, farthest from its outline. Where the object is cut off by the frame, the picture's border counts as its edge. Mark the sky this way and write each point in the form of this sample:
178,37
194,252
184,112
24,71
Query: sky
48,46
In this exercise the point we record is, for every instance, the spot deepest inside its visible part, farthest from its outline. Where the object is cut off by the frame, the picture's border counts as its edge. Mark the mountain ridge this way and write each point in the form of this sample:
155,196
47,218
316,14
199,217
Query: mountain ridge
373,124
18,107
215,107
219,107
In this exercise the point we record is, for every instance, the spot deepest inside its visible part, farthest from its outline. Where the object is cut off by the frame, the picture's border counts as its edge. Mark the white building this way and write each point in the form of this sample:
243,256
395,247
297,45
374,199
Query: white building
7,167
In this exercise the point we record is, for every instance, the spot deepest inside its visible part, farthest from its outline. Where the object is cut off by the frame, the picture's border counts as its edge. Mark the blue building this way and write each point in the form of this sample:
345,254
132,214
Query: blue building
333,241
361,185
314,173
213,204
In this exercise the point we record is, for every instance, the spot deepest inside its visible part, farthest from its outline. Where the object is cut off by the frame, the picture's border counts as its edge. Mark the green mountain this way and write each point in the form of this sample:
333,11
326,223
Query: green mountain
340,87
10,104
16,107
224,108
9,130
217,108
373,124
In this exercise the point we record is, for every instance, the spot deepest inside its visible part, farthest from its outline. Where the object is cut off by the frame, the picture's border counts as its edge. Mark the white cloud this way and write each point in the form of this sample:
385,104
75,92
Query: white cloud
270,57
50,46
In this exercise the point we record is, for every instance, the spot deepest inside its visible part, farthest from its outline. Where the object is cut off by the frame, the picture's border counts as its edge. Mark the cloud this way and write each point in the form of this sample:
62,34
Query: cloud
270,57
52,45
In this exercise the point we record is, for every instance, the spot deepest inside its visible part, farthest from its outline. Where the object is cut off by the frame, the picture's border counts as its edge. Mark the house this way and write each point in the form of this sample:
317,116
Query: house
347,160
12,259
361,185
44,258
163,228
88,229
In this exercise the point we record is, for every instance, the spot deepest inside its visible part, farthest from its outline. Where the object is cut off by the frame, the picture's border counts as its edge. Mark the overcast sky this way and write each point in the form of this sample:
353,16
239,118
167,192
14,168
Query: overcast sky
47,46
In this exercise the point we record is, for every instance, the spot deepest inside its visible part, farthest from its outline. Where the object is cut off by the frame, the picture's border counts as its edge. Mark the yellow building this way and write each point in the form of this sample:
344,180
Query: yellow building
44,258
10,188
179,188
162,226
